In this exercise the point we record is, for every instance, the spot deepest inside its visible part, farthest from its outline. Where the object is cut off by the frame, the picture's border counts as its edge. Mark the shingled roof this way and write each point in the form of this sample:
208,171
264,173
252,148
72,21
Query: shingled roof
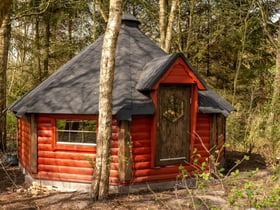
74,87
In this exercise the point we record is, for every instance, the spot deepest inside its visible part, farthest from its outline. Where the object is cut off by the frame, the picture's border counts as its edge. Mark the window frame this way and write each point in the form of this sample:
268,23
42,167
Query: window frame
74,146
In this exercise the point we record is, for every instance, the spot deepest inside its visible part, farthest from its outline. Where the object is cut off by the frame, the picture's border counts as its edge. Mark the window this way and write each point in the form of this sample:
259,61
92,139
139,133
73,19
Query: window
75,131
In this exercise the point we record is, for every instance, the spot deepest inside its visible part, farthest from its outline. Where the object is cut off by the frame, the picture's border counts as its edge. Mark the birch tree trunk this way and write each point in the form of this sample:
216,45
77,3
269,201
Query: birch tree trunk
162,22
4,46
100,184
166,27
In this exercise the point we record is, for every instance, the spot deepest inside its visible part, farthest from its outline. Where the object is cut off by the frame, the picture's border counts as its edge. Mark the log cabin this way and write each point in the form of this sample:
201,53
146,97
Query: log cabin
163,112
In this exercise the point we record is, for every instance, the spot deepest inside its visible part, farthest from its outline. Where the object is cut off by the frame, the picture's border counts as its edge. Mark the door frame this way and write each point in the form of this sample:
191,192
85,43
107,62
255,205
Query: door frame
194,110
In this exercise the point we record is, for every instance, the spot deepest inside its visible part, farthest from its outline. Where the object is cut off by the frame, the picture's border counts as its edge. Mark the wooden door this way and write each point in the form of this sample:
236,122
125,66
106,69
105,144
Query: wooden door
173,124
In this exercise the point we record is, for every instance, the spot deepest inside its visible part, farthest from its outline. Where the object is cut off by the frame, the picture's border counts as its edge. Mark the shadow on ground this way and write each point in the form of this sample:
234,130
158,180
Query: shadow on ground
255,161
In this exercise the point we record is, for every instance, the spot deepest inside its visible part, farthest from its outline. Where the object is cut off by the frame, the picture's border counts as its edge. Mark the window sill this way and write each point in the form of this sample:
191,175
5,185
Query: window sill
75,147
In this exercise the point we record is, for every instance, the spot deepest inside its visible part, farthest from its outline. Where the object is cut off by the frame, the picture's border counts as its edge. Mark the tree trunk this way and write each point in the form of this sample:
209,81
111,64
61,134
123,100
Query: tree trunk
166,27
4,46
100,184
274,113
170,26
190,28
272,122
162,22
37,43
4,9
46,50
102,12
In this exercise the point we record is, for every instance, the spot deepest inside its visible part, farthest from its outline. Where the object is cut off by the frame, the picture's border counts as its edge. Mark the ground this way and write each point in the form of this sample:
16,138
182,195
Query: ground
249,188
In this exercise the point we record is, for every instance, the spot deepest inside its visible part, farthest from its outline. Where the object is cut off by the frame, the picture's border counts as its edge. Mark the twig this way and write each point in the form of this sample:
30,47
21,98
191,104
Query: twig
6,172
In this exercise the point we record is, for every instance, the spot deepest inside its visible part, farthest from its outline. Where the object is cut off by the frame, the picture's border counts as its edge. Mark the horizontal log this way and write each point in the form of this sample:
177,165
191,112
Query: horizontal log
203,133
114,181
201,147
65,162
63,176
66,155
141,128
114,166
157,171
43,127
142,165
43,120
141,120
65,169
155,178
141,158
204,139
114,136
140,136
44,140
114,151
114,144
45,133
143,143
114,173
45,147
141,150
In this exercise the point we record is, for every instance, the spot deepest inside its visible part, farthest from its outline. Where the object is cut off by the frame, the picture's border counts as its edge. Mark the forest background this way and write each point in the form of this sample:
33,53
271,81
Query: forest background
234,45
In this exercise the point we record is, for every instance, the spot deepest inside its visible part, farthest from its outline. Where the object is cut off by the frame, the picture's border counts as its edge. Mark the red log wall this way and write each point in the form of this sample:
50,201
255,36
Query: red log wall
70,164
73,165
24,142
143,170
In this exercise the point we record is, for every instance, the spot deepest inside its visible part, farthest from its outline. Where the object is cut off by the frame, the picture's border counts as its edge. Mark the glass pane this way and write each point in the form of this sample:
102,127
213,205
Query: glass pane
76,131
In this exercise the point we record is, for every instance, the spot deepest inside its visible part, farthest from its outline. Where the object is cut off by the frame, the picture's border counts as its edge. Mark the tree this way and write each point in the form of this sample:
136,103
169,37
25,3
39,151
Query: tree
4,46
272,122
4,9
100,184
166,27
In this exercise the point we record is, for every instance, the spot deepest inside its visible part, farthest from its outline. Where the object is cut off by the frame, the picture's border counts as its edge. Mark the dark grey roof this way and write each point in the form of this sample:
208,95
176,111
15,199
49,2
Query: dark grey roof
210,102
74,87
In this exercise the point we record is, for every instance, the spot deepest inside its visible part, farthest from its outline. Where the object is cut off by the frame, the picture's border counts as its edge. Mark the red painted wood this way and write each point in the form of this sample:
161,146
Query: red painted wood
66,155
140,136
142,165
65,169
141,143
45,147
69,162
44,140
141,150
178,69
139,158
64,162
74,164
156,171
63,176
155,178
24,142
200,147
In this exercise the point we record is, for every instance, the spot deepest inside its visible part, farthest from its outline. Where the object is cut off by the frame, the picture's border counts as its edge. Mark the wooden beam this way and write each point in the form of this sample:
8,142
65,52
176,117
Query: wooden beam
125,152
213,133
33,145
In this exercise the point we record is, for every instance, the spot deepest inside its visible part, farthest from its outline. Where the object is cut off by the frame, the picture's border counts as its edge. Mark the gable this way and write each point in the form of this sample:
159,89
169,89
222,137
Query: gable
180,73
168,69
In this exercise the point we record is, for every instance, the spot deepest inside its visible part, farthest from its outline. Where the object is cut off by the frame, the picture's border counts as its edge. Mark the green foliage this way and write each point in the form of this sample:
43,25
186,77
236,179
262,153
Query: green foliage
254,194
244,189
